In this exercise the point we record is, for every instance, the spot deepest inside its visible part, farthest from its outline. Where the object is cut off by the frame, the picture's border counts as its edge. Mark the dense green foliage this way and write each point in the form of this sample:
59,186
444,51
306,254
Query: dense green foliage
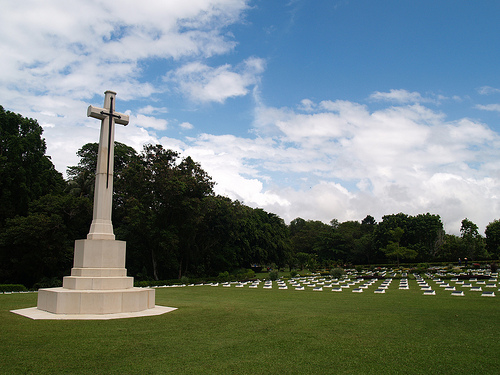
26,173
176,226
12,288
38,221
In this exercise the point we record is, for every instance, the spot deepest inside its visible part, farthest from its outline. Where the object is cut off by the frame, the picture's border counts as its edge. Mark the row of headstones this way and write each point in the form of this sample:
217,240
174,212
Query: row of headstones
313,283
346,283
319,284
428,291
481,272
17,292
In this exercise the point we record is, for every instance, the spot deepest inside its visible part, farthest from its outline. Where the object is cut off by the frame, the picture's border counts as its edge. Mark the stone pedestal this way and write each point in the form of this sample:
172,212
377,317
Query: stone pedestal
98,283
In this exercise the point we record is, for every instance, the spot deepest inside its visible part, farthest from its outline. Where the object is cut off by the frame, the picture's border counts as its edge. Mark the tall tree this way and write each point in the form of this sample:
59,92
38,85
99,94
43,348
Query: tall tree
394,249
40,245
422,233
382,234
312,237
472,240
492,233
426,235
162,198
81,178
453,248
365,251
26,173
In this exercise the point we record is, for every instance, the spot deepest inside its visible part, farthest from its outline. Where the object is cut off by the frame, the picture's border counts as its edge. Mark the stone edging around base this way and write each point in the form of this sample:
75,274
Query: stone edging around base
35,314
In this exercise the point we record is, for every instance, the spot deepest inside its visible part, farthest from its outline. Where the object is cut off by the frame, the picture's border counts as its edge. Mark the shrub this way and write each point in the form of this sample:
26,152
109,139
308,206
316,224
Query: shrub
421,268
273,275
46,282
337,273
359,268
142,284
184,280
494,267
293,273
245,274
223,276
12,288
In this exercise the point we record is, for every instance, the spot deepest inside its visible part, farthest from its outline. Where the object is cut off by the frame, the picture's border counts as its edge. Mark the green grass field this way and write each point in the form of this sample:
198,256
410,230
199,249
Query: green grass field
219,330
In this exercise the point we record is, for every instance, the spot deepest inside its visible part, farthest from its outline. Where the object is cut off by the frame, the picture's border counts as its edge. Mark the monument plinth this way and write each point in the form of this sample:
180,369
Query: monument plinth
99,283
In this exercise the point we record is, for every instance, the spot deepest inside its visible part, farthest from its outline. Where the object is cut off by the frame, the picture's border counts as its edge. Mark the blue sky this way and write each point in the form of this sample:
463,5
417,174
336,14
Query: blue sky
315,109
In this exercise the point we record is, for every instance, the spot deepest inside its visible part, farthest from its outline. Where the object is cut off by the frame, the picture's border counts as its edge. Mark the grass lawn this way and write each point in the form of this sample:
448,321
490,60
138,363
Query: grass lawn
219,330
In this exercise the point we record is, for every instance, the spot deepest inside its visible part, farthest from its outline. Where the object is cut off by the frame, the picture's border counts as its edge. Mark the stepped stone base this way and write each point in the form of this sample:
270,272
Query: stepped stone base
68,301
98,283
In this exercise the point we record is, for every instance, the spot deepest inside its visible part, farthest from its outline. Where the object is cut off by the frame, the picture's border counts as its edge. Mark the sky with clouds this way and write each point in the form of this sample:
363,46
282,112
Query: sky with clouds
324,109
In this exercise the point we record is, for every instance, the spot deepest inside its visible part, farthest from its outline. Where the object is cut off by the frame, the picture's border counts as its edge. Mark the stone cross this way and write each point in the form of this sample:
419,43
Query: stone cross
101,227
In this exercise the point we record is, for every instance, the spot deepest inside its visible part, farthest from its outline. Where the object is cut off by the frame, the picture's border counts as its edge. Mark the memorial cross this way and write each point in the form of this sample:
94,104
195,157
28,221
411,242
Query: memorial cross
101,227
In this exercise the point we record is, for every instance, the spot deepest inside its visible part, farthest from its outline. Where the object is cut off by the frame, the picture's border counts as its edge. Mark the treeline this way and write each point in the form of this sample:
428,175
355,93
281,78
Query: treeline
175,225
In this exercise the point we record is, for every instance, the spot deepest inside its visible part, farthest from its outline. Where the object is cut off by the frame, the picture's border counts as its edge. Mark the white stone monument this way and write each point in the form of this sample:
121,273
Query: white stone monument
99,284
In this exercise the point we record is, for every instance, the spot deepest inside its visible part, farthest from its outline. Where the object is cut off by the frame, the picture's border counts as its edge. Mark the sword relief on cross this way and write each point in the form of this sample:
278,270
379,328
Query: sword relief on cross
107,114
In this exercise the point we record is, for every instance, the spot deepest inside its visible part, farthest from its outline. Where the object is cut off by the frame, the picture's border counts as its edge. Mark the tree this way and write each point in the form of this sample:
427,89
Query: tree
492,233
26,173
162,208
452,248
369,221
262,238
297,225
312,237
393,248
422,233
302,259
426,235
40,245
365,251
82,177
472,240
218,237
350,233
382,234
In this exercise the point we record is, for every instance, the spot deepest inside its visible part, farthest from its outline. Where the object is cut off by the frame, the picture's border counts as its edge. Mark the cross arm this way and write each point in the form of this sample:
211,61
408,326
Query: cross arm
101,113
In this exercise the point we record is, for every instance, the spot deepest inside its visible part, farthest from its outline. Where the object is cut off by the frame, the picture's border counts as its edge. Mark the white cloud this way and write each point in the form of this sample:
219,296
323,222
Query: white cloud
488,90
489,107
134,136
57,57
398,96
80,50
186,125
203,83
149,109
319,160
306,105
149,122
343,161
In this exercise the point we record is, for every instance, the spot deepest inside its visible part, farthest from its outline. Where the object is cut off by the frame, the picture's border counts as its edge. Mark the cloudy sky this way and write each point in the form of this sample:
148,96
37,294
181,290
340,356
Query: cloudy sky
318,109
